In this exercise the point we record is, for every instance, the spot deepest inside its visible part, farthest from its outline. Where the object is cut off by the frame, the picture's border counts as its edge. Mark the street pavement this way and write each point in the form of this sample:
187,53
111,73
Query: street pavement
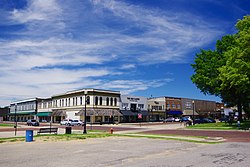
124,152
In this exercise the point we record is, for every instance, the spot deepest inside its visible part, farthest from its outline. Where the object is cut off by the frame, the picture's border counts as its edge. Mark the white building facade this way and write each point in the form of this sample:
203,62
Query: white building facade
102,106
134,108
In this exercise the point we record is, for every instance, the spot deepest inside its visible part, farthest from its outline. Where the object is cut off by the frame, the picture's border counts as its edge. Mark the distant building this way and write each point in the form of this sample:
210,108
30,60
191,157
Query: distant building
157,108
4,114
34,108
134,108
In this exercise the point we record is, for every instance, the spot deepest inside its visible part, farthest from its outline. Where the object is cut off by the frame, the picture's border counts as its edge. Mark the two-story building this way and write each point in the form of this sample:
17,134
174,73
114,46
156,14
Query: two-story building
134,108
34,108
101,105
157,108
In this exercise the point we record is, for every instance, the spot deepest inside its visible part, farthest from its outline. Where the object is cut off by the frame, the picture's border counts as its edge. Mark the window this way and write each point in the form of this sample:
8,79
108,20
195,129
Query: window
111,101
76,101
125,105
178,106
107,101
173,105
73,101
69,101
140,106
115,101
66,102
62,102
80,100
100,100
88,100
96,100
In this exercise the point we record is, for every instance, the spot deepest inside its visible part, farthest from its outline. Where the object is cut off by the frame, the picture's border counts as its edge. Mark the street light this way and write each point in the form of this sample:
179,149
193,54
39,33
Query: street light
15,119
193,110
85,113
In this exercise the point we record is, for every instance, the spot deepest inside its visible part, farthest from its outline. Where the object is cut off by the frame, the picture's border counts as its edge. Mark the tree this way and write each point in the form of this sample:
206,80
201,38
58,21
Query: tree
225,72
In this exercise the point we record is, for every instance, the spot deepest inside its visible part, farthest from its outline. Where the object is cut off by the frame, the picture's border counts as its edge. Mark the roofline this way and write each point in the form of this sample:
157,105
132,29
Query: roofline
30,99
88,90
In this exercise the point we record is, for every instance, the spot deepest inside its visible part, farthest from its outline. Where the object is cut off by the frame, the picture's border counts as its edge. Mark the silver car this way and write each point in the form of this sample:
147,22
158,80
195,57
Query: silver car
76,122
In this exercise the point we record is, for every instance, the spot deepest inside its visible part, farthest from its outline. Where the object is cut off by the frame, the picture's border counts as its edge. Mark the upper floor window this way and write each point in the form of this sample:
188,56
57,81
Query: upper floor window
76,101
100,100
115,101
88,100
107,101
111,101
96,100
80,100
173,105
178,106
69,102
140,106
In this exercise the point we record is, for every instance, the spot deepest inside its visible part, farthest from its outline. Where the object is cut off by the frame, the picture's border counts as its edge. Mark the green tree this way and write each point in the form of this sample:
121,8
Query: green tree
225,72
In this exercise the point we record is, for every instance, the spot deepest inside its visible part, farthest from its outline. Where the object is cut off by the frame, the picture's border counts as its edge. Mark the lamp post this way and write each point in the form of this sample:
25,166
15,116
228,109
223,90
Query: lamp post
15,119
193,110
85,113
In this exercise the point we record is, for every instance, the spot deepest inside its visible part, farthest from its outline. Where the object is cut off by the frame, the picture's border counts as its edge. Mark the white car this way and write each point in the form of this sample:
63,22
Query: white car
66,122
76,122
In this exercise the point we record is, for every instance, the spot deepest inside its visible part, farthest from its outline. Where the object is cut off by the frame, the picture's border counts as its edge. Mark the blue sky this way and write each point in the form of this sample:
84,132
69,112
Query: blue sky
139,47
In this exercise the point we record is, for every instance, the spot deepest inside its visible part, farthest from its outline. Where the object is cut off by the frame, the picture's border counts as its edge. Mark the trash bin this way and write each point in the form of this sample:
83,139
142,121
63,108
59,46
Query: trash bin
68,130
29,135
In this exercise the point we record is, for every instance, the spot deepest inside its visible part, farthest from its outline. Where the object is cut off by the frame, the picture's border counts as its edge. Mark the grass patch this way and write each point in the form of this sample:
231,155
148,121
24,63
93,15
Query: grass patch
220,126
58,137
165,137
6,125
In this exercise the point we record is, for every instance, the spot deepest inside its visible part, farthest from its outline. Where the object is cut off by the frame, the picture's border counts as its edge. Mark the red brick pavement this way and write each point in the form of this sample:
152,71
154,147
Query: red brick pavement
230,136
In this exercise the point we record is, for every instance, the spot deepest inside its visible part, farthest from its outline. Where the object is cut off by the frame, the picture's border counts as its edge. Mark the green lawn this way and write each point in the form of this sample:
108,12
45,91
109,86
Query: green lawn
59,137
220,126
7,125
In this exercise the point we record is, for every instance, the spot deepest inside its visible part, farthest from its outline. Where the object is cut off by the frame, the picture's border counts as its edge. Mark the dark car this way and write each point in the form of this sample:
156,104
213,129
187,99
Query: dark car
32,122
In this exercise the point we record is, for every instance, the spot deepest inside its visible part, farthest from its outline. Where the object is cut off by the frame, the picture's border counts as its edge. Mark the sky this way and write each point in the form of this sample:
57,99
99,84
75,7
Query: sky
138,47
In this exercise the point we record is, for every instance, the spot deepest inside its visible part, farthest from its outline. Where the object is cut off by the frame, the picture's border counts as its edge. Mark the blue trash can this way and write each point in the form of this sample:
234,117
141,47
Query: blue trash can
29,135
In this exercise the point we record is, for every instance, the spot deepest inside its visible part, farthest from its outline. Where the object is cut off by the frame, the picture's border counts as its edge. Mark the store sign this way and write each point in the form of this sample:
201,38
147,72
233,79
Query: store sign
133,99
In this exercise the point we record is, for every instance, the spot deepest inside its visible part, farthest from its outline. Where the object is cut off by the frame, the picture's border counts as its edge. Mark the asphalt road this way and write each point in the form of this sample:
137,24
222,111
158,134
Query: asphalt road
123,152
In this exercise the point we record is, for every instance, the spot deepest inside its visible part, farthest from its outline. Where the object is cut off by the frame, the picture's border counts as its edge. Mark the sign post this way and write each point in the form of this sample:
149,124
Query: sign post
139,117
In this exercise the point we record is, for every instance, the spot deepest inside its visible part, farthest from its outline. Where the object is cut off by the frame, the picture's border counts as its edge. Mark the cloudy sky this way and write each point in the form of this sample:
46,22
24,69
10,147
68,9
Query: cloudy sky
139,47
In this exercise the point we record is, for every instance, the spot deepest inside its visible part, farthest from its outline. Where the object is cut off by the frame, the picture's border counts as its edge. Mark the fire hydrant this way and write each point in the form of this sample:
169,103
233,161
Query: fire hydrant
111,130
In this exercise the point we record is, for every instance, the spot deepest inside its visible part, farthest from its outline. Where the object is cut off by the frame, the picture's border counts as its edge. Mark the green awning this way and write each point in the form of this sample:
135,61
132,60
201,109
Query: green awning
22,113
42,114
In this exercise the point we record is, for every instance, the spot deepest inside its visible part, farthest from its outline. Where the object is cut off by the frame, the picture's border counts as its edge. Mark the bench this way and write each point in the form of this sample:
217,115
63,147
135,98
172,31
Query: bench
47,130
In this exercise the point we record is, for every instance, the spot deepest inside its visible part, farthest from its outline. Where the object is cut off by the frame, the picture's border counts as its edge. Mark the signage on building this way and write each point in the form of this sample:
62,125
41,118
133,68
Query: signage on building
133,99
139,116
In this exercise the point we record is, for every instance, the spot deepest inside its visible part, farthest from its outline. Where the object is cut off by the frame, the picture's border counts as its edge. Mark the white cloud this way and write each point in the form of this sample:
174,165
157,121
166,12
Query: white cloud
66,45
128,66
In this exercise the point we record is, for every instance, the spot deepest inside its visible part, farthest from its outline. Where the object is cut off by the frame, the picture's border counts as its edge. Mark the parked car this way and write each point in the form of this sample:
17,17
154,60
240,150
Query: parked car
170,119
32,122
66,122
76,122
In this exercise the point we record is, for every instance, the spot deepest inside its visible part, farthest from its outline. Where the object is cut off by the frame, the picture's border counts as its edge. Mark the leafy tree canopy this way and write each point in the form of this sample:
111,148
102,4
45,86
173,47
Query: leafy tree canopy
225,71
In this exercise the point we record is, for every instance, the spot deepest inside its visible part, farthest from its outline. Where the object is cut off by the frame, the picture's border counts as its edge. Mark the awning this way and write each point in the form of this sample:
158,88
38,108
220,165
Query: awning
189,112
59,113
100,112
22,113
42,114
131,113
175,112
